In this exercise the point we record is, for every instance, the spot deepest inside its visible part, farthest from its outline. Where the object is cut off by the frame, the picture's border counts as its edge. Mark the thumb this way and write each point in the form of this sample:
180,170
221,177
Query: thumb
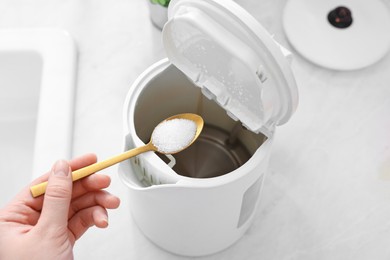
58,196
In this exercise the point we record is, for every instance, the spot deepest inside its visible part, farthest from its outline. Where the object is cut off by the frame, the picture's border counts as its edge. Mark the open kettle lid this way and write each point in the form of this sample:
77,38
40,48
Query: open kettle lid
236,62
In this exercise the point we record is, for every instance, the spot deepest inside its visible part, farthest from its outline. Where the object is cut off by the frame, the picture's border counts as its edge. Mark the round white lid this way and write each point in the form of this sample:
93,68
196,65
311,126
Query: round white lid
360,44
235,61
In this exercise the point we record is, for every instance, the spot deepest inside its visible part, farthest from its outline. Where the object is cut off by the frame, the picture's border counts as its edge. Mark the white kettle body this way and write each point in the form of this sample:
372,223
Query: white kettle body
182,214
223,65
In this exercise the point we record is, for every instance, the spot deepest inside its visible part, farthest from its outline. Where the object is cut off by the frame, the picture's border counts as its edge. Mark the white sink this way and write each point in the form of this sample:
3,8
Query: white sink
37,80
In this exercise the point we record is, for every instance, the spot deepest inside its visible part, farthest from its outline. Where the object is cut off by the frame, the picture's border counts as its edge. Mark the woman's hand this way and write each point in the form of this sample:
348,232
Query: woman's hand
48,226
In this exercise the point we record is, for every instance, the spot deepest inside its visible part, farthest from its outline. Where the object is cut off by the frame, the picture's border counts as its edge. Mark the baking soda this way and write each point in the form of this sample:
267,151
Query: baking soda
173,135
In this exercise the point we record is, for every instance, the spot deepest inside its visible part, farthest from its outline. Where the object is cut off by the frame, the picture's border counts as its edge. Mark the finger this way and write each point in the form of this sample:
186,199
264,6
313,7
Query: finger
36,203
40,179
91,183
82,161
87,218
57,197
75,164
100,198
87,184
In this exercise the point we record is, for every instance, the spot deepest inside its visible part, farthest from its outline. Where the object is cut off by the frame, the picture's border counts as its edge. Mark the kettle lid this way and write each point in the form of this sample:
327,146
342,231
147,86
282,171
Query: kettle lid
235,61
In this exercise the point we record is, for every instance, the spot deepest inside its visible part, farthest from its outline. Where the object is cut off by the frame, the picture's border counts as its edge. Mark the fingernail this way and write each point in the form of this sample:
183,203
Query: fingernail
105,221
61,168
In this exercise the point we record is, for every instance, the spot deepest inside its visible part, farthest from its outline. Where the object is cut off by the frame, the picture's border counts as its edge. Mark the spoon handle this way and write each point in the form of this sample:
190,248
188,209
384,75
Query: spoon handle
40,189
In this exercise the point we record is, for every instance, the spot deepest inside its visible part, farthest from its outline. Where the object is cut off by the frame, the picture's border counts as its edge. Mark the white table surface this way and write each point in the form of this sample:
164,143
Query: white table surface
327,192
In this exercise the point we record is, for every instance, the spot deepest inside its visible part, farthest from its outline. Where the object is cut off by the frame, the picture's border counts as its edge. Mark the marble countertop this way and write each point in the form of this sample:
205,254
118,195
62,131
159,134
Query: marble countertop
327,192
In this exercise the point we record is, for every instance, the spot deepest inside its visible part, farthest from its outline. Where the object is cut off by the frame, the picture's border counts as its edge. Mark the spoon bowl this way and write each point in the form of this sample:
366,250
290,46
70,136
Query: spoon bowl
189,117
181,121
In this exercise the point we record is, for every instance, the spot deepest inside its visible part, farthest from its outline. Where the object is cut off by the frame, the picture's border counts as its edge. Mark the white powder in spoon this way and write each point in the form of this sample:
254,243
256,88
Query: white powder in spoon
173,135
